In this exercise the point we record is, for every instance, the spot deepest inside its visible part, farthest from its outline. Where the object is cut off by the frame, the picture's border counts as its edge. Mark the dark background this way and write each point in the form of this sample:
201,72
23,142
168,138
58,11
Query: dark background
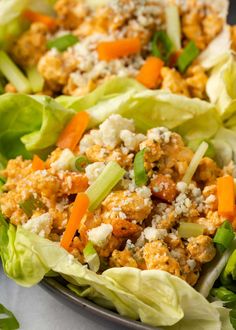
232,12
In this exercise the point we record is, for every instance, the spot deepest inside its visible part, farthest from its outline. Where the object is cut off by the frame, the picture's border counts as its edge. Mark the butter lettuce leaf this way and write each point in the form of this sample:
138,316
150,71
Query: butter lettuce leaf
221,87
148,108
218,50
155,297
29,124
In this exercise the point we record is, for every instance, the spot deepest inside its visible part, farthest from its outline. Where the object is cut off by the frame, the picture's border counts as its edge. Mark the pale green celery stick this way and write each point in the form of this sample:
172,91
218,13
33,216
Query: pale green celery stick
13,73
106,181
35,79
195,162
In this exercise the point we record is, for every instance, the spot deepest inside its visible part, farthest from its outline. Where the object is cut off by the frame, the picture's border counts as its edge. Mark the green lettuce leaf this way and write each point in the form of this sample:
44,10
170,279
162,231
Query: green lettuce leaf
225,145
221,87
147,108
155,297
29,124
218,50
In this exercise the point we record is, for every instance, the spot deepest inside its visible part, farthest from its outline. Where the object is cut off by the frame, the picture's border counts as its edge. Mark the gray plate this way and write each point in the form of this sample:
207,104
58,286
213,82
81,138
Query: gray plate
54,286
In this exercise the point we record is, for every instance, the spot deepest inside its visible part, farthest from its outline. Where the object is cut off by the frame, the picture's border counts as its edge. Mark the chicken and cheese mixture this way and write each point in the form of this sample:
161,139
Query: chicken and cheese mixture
134,226
80,68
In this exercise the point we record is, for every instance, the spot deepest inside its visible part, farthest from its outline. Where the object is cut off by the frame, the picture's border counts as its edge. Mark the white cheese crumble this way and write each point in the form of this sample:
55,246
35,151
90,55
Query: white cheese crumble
40,225
131,140
93,171
111,128
191,263
94,137
161,134
64,161
153,234
144,192
181,186
100,235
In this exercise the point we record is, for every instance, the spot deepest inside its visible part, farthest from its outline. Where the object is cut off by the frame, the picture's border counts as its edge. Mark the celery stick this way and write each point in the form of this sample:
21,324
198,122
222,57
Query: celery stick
173,25
195,162
35,79
106,181
91,257
13,73
187,229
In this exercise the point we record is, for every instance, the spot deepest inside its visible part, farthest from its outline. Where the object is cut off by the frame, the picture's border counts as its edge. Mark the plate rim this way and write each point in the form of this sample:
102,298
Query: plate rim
52,286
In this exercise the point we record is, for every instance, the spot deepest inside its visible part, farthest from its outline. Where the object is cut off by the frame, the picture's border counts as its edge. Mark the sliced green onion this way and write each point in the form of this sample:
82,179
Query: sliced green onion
224,294
63,42
162,46
31,204
7,319
224,237
195,162
35,79
103,185
173,25
13,73
91,257
80,163
140,175
189,54
188,229
194,144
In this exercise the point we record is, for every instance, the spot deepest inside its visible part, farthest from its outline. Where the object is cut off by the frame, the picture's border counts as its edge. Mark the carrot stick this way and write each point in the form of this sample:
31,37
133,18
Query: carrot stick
226,196
33,16
38,164
72,133
149,74
79,209
110,50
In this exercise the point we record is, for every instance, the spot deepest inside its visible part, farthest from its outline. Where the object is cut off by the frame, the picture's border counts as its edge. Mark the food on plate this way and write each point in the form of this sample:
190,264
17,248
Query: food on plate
124,184
115,198
84,44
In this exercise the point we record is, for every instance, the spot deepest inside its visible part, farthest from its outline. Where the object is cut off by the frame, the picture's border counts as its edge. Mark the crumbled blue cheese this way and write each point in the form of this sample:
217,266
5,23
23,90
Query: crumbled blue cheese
93,171
153,234
40,225
100,235
131,140
111,128
90,139
64,162
161,134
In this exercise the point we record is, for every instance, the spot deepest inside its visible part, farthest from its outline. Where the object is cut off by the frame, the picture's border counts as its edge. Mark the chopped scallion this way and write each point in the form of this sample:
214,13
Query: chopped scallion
7,319
188,229
31,204
13,73
173,26
162,46
106,181
140,175
195,162
224,236
91,257
80,163
63,42
189,54
224,294
35,79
